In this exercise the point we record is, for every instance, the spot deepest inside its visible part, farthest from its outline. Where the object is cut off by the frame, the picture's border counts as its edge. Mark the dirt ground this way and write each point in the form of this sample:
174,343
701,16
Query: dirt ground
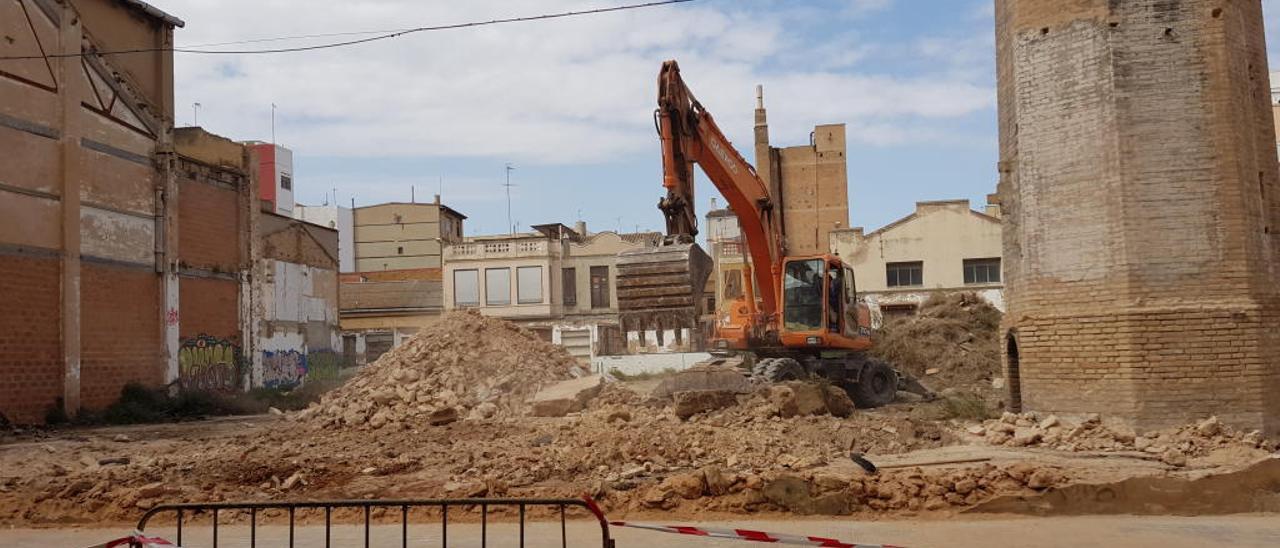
478,407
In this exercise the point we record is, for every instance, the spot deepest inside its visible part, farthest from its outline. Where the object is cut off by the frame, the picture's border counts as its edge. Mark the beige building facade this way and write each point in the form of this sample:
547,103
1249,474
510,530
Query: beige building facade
557,281
397,286
943,246
403,236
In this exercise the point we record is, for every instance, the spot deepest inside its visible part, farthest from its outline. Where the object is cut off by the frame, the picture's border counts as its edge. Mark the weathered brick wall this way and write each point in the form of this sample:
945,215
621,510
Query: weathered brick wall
209,307
208,217
120,331
1138,177
30,336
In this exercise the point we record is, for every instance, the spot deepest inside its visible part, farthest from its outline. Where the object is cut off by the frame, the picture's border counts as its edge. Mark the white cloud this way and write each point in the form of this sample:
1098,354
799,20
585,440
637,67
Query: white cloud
858,8
562,91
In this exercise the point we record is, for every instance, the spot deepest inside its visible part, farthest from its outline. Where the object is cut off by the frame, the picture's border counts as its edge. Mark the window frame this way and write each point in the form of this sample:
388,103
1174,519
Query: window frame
600,292
569,286
893,274
520,297
489,295
984,265
286,181
476,287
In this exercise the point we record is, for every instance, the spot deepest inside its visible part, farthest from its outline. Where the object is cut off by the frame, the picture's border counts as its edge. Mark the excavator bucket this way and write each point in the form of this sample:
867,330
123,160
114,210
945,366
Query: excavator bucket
661,288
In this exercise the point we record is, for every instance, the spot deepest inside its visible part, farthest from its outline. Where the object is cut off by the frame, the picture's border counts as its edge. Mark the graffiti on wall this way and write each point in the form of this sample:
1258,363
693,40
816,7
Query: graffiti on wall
324,365
283,368
209,364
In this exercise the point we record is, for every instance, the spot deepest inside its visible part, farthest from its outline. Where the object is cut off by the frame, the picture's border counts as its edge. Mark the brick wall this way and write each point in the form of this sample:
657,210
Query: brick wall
209,307
1139,181
30,343
208,217
120,331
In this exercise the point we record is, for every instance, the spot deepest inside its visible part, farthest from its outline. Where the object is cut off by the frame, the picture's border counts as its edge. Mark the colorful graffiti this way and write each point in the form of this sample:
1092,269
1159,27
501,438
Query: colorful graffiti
209,364
283,368
324,365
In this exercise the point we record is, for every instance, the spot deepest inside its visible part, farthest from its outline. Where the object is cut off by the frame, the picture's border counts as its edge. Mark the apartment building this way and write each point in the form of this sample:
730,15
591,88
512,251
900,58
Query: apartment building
555,280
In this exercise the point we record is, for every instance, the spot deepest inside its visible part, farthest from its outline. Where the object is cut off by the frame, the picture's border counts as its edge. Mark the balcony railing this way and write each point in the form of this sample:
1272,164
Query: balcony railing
497,250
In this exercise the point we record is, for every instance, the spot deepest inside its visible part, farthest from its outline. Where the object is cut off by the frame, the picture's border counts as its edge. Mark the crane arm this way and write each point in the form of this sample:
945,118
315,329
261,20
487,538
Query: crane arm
690,136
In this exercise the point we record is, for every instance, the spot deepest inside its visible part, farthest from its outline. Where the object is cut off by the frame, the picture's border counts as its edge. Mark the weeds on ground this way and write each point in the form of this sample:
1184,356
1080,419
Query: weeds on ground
965,406
139,404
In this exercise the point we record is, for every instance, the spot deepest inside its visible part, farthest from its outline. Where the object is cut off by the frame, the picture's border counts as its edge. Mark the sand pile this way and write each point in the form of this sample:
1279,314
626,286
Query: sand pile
462,365
953,342
1172,445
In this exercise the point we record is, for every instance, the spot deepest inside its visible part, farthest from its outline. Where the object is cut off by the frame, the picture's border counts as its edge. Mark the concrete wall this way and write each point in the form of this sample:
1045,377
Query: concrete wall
942,235
82,184
398,236
1140,189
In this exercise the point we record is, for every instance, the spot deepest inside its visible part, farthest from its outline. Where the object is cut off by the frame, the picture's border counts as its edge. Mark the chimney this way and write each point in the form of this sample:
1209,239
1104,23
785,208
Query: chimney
714,205
437,202
580,227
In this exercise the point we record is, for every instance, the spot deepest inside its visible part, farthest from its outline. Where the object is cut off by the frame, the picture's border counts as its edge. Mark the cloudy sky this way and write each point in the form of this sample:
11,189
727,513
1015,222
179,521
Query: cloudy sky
569,102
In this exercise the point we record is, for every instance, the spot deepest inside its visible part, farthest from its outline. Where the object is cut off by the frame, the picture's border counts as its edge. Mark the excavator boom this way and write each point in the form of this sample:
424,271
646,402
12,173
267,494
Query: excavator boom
661,289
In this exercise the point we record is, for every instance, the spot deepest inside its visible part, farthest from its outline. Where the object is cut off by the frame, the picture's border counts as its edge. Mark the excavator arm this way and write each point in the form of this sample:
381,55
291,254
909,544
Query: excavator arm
661,288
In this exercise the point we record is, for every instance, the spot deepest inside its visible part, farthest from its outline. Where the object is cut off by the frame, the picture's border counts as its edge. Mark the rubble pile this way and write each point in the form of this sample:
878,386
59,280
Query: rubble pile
831,493
461,365
953,342
1174,446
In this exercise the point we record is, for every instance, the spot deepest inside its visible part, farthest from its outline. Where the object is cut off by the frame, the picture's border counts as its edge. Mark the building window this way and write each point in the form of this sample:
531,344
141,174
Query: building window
497,286
599,287
466,288
529,285
286,181
905,274
982,271
569,286
400,251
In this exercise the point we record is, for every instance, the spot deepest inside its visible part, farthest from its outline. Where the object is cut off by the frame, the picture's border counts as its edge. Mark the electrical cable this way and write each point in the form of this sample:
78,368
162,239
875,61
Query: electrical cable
386,36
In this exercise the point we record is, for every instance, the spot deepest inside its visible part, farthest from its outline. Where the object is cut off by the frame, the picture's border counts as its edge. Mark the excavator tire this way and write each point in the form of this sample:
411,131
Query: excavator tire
780,370
877,385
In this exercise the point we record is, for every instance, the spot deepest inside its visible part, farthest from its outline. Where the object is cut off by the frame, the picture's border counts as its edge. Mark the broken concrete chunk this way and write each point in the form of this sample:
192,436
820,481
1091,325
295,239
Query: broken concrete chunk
562,398
690,403
703,377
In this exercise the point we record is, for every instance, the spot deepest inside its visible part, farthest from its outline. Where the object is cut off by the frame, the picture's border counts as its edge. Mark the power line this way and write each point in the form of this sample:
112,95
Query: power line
386,36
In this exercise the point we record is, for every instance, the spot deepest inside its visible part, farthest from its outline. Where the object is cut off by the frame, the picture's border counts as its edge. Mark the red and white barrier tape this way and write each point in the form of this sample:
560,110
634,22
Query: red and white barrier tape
747,535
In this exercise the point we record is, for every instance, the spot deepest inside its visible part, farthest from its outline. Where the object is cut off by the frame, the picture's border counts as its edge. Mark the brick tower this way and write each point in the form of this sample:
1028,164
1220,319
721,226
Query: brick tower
1139,181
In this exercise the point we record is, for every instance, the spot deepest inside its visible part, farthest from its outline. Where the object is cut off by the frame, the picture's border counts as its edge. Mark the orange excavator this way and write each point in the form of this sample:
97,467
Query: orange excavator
801,317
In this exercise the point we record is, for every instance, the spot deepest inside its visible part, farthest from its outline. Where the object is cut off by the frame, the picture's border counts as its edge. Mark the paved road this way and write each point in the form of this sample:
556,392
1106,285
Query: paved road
1119,531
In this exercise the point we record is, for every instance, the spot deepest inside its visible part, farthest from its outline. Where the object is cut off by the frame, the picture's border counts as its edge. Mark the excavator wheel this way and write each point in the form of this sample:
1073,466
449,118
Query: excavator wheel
877,385
780,370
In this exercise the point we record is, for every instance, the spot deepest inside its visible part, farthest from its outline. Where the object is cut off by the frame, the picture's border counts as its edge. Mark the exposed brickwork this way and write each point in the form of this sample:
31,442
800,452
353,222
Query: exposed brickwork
120,331
208,217
1140,187
209,307
30,343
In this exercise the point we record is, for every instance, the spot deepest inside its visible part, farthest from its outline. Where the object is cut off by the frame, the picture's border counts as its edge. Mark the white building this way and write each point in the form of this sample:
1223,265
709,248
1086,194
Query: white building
337,218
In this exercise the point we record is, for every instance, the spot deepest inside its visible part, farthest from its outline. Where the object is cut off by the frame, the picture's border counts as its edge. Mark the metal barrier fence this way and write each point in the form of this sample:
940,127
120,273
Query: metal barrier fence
181,511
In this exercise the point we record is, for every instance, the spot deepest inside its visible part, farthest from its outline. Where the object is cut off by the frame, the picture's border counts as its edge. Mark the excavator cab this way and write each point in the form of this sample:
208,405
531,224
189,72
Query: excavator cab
820,308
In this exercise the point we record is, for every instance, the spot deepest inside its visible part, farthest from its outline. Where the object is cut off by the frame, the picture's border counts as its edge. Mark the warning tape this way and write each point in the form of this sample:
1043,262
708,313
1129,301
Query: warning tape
734,534
748,535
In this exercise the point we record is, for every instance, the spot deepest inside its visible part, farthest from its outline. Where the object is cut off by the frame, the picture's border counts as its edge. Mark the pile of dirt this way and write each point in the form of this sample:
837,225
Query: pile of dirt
1174,446
953,342
462,364
834,493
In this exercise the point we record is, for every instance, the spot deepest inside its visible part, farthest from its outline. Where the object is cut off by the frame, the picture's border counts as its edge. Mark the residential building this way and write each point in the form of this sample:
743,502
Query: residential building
338,218
557,281
273,166
725,245
944,246
88,197
396,287
404,236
